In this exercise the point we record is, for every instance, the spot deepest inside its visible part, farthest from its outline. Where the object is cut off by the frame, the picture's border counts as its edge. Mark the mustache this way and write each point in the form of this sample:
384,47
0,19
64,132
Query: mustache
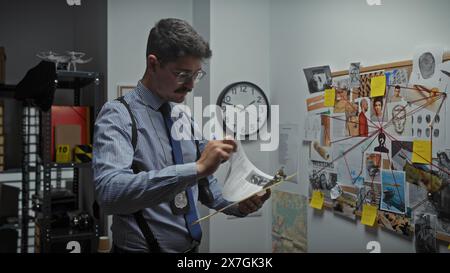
183,90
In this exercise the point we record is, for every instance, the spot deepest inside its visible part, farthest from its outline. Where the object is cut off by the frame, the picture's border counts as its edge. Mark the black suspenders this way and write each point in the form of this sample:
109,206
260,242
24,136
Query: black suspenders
205,194
143,226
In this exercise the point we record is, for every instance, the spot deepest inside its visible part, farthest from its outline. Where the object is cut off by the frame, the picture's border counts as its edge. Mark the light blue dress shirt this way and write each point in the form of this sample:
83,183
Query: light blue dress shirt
120,192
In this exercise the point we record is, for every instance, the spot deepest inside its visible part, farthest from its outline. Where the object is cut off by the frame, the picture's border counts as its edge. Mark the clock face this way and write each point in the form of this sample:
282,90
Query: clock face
248,103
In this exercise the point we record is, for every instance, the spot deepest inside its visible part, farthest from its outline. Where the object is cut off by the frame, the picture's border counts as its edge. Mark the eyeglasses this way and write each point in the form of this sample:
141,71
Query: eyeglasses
185,77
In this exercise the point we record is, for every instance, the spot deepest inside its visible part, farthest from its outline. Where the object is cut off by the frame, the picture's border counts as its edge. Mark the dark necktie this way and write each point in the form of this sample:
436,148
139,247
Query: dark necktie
177,154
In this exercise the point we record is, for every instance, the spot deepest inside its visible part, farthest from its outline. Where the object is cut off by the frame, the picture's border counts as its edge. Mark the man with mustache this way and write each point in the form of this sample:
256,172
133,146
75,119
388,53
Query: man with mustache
145,176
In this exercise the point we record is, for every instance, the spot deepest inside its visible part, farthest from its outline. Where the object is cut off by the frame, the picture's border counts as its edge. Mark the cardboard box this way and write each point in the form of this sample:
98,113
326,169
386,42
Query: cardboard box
70,115
69,134
2,65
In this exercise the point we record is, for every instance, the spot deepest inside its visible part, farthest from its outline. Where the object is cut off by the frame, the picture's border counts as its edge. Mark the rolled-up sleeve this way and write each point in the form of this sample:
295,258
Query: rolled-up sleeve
119,190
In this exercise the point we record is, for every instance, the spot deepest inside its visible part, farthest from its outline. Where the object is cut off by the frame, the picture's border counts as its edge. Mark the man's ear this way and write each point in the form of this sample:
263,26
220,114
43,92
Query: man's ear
152,62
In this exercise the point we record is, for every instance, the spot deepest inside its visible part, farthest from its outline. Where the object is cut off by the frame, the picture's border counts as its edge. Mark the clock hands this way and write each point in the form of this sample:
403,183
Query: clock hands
241,107
248,105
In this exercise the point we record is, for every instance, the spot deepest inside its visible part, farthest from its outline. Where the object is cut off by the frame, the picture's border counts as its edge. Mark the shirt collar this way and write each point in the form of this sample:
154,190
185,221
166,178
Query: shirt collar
148,97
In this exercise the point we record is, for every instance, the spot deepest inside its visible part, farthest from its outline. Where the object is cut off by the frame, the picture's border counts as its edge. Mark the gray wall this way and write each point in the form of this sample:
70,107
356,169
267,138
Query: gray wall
202,23
28,27
90,36
312,33
240,41
129,23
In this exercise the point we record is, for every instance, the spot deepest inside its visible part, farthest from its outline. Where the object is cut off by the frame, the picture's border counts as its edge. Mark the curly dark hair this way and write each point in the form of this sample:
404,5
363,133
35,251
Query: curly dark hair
173,38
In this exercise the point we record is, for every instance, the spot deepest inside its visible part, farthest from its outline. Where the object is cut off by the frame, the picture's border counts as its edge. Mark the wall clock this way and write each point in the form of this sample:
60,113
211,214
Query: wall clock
240,97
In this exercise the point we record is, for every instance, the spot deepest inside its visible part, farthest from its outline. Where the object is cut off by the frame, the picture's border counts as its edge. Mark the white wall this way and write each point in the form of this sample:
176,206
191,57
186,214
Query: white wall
240,44
311,33
129,23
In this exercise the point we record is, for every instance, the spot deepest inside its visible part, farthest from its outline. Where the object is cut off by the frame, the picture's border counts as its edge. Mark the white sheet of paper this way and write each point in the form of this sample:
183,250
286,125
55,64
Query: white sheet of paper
426,64
288,148
349,166
243,178
422,130
312,127
338,127
401,125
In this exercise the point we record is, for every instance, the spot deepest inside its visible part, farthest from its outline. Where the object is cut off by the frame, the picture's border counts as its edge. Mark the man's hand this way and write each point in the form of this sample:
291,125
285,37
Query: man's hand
215,152
254,203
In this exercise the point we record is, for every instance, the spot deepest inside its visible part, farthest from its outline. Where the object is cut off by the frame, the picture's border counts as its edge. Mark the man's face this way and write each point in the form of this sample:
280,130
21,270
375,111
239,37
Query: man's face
364,105
397,92
165,78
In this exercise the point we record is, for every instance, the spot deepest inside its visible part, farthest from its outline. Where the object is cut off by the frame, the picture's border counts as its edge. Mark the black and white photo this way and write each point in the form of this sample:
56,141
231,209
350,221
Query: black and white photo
318,78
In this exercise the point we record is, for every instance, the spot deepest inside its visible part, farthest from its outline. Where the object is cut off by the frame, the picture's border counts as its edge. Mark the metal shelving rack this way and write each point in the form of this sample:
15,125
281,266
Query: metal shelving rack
30,136
44,166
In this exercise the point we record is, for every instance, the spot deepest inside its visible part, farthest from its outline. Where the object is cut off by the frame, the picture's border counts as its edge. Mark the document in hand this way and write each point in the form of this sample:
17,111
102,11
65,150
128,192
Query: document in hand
243,178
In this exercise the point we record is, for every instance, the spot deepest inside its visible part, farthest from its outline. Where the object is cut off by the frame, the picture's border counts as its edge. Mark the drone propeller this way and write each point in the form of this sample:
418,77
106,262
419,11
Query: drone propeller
80,61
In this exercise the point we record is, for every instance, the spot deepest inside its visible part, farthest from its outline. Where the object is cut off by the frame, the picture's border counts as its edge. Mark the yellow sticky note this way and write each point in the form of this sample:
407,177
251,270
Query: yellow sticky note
378,86
421,151
330,96
369,214
317,200
448,246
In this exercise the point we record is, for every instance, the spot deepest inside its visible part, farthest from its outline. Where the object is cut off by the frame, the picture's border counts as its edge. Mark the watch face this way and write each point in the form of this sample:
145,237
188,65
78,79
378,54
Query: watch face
248,103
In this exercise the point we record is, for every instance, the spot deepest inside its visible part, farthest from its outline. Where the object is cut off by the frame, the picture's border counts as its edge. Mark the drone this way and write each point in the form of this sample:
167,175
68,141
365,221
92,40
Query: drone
53,57
68,61
75,58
